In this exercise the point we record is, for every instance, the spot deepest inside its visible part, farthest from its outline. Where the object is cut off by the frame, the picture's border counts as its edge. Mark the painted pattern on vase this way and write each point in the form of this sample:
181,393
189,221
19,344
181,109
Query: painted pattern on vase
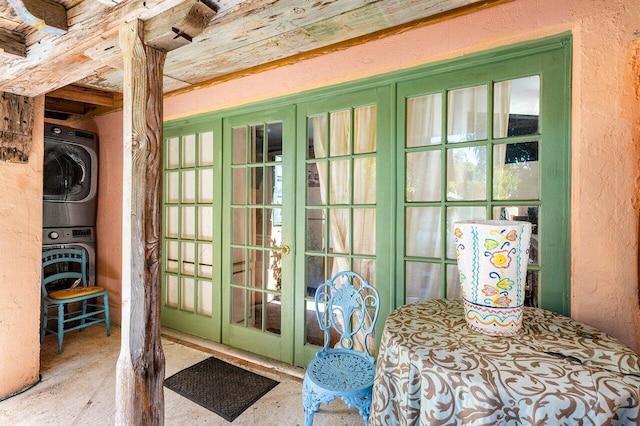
492,262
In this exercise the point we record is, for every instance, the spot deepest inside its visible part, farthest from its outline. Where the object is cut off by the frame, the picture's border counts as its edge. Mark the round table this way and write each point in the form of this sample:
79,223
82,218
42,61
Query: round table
433,370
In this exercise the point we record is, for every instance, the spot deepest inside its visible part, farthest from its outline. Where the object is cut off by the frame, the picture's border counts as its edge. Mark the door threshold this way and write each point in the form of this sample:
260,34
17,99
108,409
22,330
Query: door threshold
234,356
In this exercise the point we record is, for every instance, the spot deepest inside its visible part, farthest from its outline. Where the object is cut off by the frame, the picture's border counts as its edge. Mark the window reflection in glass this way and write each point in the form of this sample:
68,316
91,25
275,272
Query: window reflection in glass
516,171
516,107
467,173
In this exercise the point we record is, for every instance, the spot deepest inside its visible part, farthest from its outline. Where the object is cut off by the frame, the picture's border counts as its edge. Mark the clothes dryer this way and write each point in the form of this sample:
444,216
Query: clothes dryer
70,177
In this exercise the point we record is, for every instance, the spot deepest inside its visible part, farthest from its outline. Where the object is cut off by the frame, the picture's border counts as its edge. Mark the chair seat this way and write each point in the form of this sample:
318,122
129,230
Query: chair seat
70,293
341,372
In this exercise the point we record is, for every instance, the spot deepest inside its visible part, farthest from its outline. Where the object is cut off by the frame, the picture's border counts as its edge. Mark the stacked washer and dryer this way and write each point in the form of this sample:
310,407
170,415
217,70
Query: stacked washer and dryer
70,190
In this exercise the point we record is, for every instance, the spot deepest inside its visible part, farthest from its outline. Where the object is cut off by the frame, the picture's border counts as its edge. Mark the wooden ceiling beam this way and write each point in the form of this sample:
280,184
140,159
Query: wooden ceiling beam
64,106
45,15
83,94
176,28
88,25
12,44
166,31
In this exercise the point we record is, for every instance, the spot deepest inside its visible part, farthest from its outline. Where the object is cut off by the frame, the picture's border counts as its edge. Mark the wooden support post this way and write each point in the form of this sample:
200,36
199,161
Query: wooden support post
16,127
140,367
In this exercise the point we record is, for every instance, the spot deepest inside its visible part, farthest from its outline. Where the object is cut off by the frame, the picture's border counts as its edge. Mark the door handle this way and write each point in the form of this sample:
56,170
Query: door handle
284,250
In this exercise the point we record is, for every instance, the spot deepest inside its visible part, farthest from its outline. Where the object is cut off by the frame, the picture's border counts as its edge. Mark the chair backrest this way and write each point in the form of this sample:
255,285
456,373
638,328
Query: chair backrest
348,305
58,264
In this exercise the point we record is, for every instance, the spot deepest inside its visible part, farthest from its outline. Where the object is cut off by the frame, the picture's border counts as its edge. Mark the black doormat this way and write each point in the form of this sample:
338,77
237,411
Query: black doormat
221,387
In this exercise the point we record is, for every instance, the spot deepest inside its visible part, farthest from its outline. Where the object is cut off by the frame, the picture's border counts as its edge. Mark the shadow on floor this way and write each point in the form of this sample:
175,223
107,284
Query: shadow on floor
78,387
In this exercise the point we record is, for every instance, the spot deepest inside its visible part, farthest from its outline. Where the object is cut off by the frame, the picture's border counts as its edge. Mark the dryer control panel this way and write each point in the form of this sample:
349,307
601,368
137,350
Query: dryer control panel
68,235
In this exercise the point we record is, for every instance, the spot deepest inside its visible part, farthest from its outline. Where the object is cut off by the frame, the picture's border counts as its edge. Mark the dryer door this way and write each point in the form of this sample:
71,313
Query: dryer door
67,172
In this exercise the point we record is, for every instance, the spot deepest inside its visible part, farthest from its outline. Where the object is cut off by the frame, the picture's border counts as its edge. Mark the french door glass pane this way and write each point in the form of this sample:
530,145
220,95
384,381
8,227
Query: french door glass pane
189,151
365,129
340,133
317,131
239,145
423,281
340,182
171,254
205,187
205,298
171,228
171,292
516,107
205,151
424,120
467,114
364,179
239,181
274,142
423,176
205,260
423,232
172,192
188,225
516,171
173,153
454,289
467,173
187,294
189,186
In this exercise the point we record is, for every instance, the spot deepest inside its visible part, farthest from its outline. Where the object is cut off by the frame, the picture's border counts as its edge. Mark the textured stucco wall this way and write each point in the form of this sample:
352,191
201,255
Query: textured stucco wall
605,127
109,217
21,249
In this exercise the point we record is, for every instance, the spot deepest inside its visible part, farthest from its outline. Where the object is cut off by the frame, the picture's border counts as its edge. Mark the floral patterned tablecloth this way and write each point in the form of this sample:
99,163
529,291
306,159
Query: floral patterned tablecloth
433,370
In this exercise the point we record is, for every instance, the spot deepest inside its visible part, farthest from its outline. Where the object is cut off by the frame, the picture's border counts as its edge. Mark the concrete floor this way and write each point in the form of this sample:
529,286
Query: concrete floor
78,386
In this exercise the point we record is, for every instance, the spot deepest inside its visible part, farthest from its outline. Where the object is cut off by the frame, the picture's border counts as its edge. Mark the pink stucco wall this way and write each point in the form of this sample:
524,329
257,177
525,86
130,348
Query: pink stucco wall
604,144
21,250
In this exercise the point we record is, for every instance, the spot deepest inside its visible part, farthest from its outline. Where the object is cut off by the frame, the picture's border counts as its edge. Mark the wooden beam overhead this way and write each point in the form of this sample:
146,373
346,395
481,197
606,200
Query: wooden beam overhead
178,27
83,94
12,44
88,26
64,106
45,15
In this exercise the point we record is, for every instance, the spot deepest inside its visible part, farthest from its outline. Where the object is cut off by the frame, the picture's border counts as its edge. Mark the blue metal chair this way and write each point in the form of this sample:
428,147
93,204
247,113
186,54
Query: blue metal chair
69,266
346,305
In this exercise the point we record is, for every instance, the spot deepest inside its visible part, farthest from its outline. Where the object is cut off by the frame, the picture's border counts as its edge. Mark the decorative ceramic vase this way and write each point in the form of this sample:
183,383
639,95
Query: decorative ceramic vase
492,262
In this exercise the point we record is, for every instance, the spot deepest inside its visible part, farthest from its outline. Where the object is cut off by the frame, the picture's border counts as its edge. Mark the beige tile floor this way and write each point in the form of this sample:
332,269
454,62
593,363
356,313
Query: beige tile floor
78,386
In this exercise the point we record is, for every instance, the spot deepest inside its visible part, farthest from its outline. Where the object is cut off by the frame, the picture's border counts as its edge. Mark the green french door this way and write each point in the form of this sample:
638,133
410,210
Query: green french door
485,141
344,167
191,243
257,238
